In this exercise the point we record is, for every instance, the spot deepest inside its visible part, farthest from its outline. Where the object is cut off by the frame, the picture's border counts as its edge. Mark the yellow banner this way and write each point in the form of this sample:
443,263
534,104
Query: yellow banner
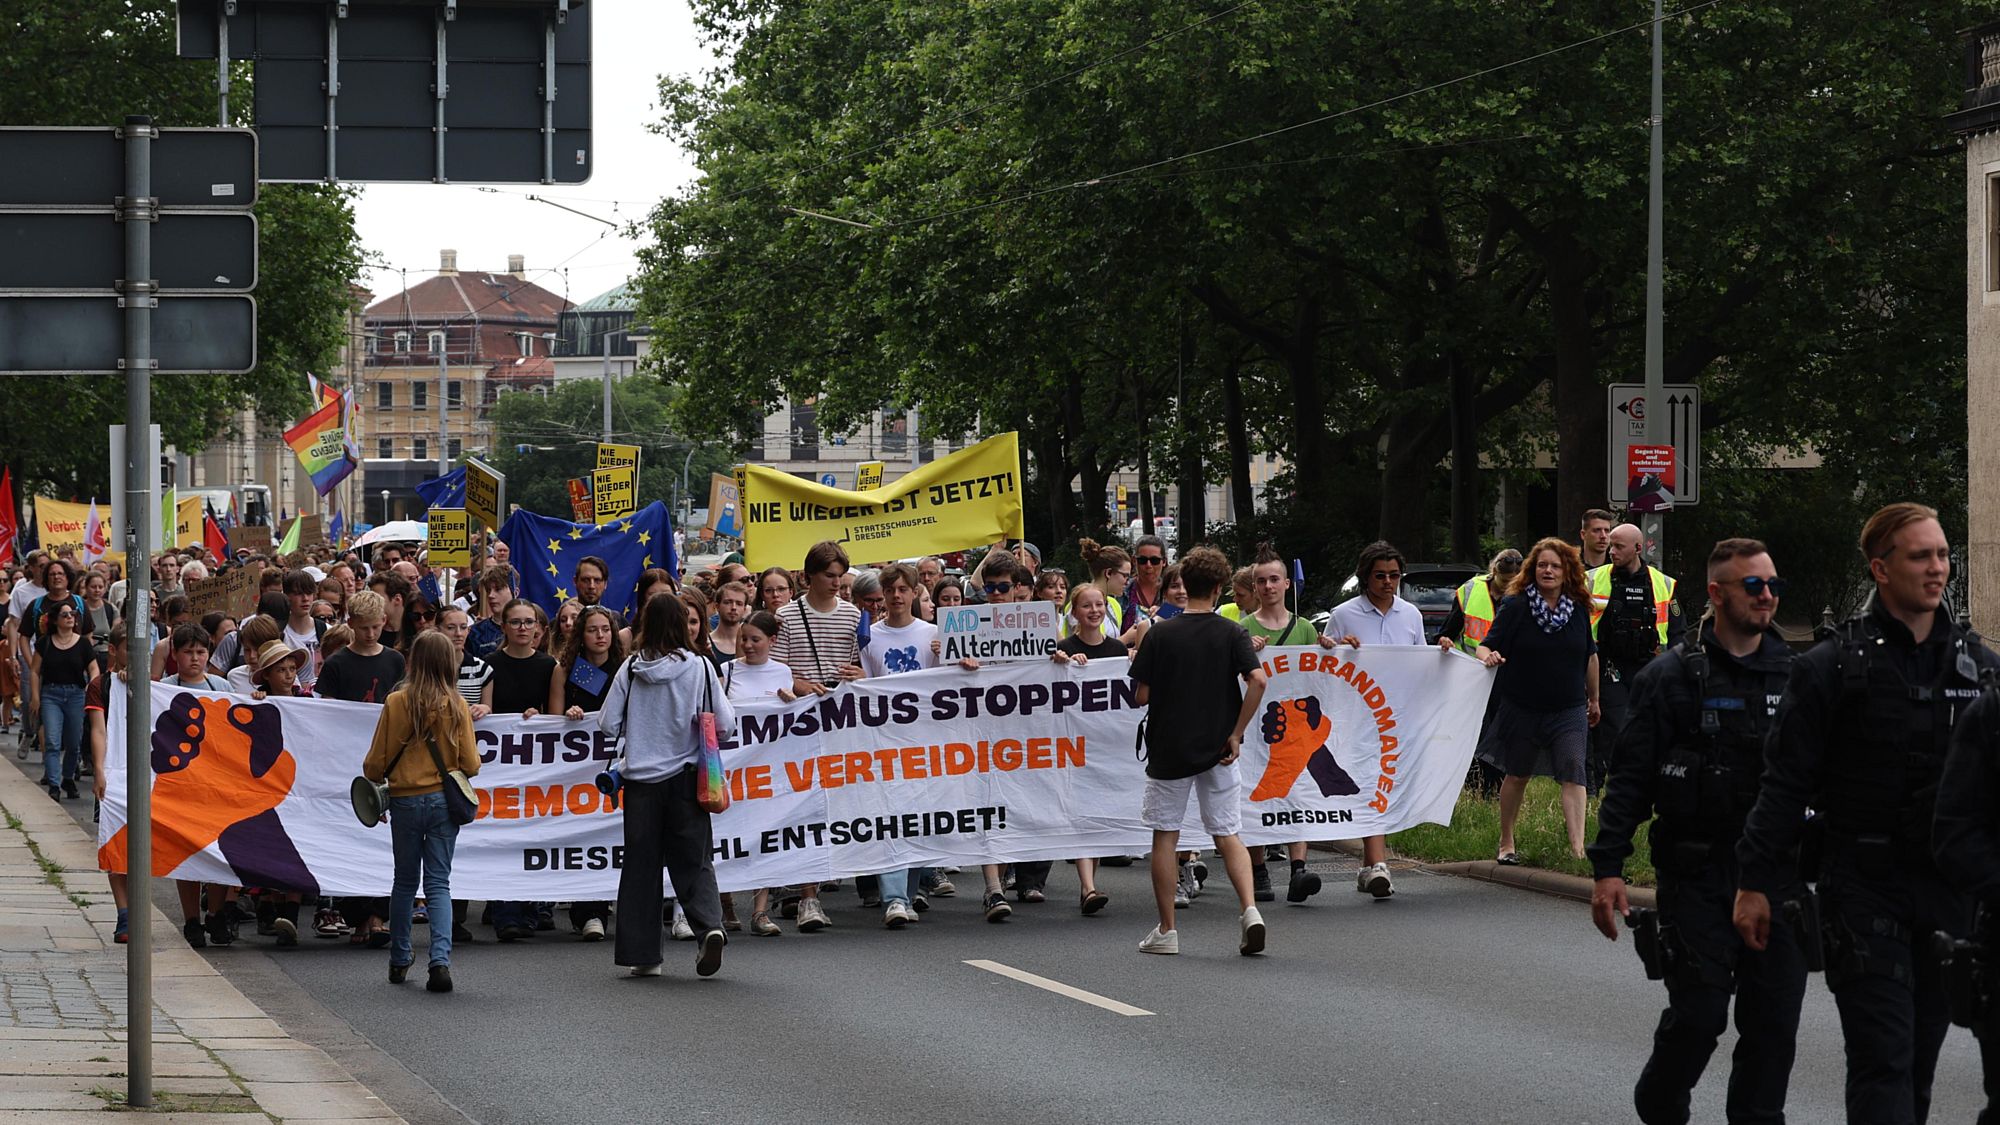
187,522
448,541
617,456
61,523
964,500
614,493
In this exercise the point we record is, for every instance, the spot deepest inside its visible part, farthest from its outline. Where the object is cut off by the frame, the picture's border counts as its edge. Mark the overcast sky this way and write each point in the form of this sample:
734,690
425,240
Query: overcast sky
633,43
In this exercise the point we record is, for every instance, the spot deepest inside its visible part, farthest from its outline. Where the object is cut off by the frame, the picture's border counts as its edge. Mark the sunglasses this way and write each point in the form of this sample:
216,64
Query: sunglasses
1151,560
999,587
1054,572
326,617
1387,576
1755,586
424,615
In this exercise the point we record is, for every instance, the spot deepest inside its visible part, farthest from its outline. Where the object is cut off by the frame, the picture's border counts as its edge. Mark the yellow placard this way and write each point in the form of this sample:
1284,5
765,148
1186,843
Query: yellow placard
617,456
964,500
614,493
448,541
868,476
485,489
61,523
187,522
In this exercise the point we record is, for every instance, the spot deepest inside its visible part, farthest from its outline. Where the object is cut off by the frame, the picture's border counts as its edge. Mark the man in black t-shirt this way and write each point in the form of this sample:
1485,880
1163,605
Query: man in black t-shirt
1186,673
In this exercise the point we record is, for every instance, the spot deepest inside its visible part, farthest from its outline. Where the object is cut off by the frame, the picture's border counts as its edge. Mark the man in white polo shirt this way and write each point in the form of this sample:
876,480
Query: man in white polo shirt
1378,617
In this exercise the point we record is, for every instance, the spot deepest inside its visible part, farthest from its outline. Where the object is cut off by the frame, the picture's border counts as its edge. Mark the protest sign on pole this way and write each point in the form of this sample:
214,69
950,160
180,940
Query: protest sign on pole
485,493
617,456
448,538
997,634
966,499
868,476
614,493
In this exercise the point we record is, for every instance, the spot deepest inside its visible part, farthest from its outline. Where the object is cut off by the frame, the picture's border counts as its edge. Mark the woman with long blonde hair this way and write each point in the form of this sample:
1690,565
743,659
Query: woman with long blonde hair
425,730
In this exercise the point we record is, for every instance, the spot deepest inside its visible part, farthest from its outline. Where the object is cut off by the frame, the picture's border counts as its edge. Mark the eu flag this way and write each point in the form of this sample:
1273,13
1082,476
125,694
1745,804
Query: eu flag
447,491
546,551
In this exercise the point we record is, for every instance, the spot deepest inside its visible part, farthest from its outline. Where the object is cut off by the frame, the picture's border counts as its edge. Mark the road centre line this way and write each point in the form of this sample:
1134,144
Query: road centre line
1117,1007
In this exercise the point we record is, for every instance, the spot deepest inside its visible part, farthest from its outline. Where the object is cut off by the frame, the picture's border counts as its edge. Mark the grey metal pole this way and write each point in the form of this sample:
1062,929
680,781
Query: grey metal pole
138,215
605,347
1653,525
444,426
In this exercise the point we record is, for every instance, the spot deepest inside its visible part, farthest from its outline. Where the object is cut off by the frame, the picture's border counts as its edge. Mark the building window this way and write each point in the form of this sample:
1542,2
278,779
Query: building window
454,448
1993,234
420,449
385,396
385,448
437,343
402,343
420,395
454,394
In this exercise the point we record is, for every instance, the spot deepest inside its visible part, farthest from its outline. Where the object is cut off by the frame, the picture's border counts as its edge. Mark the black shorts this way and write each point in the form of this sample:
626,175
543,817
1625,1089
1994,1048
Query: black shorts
1524,743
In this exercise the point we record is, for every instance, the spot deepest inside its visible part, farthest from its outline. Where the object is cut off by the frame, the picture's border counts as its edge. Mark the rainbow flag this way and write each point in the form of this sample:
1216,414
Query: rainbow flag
320,440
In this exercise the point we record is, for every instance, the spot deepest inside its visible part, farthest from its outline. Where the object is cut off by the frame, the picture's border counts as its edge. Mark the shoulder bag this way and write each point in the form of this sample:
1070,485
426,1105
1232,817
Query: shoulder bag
711,784
459,799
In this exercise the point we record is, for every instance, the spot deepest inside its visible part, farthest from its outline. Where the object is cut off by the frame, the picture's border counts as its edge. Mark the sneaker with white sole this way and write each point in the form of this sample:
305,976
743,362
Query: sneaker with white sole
1375,881
997,909
812,916
1251,928
593,929
1157,942
943,888
710,957
762,926
682,931
896,915
1188,887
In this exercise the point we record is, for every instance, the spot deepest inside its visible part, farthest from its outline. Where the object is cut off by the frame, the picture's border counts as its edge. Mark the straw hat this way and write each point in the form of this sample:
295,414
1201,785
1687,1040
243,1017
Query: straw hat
271,655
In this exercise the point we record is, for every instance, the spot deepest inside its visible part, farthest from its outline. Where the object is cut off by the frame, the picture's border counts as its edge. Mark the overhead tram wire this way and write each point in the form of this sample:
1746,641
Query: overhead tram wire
1133,171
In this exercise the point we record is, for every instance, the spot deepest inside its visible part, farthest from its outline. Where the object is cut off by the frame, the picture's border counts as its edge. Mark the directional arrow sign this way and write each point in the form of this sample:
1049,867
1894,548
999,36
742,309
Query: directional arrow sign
72,334
79,250
1625,424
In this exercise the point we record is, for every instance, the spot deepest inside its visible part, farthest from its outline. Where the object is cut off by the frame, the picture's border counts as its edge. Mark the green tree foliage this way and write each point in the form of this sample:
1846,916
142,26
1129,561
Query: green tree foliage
542,441
1383,241
93,62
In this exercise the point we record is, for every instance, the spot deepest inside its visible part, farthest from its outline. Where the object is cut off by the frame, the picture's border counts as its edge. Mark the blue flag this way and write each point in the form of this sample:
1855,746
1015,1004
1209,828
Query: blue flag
428,587
588,676
447,491
546,551
337,530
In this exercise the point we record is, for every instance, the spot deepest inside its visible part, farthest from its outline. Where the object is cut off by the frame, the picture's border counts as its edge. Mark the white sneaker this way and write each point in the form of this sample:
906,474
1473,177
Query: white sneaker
1252,928
1375,881
812,916
1157,942
645,970
896,916
593,929
1188,887
682,931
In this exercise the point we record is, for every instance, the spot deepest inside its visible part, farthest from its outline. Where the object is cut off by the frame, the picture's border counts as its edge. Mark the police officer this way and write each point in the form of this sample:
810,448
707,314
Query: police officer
1691,755
1965,841
1861,737
1632,615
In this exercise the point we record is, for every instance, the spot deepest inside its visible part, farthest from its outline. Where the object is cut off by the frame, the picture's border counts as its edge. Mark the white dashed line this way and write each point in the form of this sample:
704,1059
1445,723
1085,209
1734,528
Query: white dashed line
1117,1007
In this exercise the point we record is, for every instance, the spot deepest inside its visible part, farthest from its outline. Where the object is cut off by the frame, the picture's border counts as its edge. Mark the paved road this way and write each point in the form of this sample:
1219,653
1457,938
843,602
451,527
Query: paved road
1454,1001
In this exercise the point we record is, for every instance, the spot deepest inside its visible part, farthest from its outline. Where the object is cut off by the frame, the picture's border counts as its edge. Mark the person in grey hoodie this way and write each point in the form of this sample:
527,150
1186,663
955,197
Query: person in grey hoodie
655,702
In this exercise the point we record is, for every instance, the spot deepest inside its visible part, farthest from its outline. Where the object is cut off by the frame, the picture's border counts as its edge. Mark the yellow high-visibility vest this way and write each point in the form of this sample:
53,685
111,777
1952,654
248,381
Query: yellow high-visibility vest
1475,601
1600,598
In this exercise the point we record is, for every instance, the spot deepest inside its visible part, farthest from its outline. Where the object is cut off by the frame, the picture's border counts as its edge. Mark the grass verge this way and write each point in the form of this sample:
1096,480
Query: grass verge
1539,835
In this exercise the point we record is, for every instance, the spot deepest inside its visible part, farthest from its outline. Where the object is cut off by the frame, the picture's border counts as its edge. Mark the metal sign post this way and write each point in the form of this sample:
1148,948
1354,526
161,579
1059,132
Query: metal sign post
138,212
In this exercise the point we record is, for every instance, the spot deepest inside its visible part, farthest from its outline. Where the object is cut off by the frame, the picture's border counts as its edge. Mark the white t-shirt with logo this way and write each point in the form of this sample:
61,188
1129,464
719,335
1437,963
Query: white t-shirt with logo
755,681
906,649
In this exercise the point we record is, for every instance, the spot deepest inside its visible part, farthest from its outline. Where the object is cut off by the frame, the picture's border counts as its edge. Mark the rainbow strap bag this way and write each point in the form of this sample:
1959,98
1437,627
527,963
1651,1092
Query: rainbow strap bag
711,785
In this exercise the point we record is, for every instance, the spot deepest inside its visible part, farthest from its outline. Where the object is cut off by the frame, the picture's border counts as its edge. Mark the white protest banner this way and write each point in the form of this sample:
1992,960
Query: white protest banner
996,634
1012,763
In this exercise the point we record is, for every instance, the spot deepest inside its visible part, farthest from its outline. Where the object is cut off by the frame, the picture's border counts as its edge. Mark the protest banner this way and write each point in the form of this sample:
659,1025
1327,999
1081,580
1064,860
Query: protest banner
233,592
614,494
60,523
581,508
617,456
187,522
448,538
960,501
1005,764
485,493
249,537
725,512
996,634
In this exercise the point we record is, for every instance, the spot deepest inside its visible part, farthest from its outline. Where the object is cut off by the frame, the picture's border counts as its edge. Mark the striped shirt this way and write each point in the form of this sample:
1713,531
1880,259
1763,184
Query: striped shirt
472,676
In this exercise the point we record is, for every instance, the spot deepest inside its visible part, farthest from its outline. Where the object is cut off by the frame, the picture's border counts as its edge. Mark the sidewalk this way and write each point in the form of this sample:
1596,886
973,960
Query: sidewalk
62,1001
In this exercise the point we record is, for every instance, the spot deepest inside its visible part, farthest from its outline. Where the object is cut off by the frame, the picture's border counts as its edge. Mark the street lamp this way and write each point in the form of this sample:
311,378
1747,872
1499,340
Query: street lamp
385,505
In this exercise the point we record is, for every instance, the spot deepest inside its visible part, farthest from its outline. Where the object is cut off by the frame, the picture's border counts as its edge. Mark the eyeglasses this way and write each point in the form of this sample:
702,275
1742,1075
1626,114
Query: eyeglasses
999,587
521,623
1122,573
1755,585
1151,560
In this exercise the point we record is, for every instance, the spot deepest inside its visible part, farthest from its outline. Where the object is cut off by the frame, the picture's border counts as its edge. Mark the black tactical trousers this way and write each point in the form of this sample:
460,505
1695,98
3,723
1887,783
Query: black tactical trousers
1877,918
1712,963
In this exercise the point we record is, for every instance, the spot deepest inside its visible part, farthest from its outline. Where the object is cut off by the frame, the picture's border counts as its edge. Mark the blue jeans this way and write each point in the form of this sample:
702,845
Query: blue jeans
423,835
896,884
62,733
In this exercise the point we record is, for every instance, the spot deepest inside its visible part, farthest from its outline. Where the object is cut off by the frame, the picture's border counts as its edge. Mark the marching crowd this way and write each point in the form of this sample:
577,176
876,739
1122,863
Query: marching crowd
1862,770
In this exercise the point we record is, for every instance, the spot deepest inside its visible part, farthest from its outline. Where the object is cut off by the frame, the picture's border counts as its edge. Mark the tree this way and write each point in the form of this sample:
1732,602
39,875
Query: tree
92,63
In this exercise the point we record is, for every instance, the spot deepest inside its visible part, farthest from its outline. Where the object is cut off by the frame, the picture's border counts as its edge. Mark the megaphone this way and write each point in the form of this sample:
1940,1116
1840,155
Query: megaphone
609,783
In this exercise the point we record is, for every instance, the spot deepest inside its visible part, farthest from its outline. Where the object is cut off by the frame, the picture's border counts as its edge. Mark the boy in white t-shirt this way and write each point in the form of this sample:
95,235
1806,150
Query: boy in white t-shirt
899,643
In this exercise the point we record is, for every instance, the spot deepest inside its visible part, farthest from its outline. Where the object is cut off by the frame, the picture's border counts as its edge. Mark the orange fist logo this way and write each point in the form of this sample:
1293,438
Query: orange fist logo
220,772
1296,731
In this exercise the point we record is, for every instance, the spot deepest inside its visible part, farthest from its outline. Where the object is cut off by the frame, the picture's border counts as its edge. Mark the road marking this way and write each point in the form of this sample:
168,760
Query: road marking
1059,988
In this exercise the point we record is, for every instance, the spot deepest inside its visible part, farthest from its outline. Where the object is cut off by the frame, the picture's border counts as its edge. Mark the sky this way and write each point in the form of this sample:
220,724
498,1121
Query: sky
633,43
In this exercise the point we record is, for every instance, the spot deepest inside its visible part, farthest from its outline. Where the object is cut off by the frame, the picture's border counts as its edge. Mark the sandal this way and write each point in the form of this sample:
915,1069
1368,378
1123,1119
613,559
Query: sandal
1509,859
1094,901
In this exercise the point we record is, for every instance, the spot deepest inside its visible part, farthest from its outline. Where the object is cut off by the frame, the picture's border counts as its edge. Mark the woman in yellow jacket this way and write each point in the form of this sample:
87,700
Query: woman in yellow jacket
426,708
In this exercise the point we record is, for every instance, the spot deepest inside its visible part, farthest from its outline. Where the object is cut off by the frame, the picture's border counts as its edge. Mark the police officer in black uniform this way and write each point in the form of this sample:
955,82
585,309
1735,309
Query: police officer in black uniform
1861,737
1691,755
1965,841
1628,638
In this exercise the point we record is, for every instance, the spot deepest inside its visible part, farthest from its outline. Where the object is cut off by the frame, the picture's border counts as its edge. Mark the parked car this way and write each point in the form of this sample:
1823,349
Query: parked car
1430,586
